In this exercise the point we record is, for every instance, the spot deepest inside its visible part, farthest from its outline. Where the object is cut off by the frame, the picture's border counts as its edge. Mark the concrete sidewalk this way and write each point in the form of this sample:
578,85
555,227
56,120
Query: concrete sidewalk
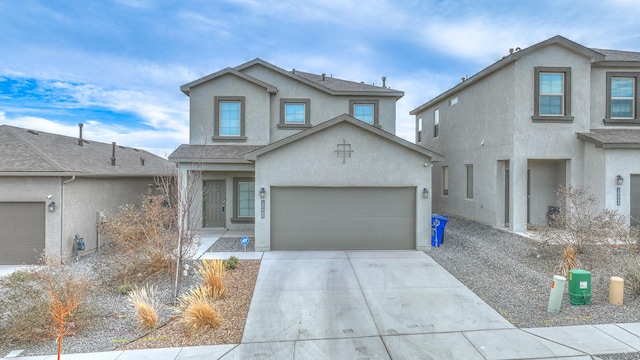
382,305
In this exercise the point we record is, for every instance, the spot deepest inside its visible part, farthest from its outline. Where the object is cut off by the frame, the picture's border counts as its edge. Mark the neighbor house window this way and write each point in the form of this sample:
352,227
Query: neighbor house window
419,130
364,110
469,181
622,98
453,101
244,193
552,100
229,118
436,123
445,180
294,113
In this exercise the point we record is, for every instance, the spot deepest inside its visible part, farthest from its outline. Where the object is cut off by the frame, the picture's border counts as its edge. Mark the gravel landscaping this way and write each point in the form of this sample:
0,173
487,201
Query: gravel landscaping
511,273
112,325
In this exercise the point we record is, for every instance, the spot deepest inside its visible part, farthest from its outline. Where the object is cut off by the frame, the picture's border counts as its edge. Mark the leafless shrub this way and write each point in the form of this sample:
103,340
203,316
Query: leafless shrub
144,236
29,299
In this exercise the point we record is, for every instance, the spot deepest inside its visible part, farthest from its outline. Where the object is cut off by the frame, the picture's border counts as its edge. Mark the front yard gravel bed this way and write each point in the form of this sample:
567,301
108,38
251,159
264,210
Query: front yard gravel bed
513,274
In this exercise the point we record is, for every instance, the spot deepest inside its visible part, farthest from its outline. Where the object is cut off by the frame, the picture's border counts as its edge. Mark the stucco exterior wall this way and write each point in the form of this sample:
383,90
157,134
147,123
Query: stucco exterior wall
492,123
312,161
323,106
85,197
201,115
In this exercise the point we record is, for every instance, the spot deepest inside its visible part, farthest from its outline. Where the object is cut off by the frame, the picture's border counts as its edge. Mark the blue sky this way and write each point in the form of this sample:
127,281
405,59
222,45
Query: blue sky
117,65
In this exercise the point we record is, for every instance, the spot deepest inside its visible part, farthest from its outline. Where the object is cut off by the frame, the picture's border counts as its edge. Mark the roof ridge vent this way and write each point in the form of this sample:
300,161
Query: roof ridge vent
33,132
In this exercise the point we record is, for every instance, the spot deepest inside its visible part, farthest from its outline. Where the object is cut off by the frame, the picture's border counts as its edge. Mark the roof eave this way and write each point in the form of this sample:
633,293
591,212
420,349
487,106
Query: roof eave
186,88
617,64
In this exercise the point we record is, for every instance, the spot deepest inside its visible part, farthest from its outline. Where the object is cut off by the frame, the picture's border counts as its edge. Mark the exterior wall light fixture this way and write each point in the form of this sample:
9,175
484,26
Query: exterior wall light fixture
425,193
262,192
619,180
51,206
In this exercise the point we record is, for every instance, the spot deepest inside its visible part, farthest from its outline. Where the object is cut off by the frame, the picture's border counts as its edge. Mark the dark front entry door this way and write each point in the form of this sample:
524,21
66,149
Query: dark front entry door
214,203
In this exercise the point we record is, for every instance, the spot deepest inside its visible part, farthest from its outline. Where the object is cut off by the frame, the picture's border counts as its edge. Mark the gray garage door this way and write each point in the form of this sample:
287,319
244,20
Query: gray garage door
21,232
635,200
316,218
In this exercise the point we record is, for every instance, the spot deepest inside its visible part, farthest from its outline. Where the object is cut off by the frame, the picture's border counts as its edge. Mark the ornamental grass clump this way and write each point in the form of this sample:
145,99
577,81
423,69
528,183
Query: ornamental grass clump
145,307
569,261
197,310
212,272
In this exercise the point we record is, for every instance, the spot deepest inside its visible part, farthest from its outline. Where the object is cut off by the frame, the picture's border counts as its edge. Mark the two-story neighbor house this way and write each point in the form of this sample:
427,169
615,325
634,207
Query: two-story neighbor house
306,161
553,114
54,187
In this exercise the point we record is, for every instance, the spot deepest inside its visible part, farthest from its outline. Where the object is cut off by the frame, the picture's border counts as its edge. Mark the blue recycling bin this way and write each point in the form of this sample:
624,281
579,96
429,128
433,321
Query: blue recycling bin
438,223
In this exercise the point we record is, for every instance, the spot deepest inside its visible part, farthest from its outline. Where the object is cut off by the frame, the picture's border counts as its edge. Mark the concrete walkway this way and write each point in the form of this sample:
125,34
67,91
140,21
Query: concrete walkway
382,305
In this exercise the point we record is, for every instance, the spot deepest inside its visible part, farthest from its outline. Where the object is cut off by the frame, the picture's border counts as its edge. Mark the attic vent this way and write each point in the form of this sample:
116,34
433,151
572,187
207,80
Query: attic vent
141,160
121,147
324,76
294,70
33,132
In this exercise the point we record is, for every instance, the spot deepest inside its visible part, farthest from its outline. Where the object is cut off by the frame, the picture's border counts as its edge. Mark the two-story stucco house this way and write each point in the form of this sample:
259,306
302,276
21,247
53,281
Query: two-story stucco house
54,187
553,114
306,161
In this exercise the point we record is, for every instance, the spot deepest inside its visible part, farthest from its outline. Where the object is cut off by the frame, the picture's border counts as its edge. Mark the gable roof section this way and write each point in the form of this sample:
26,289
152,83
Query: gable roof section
612,138
331,85
186,88
595,56
34,153
253,156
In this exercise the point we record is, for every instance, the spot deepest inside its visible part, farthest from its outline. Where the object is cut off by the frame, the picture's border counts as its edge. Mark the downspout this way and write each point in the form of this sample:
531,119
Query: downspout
73,178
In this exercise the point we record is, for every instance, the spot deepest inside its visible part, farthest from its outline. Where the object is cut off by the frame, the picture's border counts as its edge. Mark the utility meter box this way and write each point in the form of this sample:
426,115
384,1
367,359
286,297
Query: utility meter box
579,287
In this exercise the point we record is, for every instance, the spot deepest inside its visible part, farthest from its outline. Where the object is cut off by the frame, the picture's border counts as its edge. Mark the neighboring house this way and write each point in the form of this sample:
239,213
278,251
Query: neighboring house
306,161
554,114
53,187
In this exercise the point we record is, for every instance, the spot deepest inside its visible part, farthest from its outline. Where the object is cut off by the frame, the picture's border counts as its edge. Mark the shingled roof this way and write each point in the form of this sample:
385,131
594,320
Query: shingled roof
329,84
26,152
612,138
212,153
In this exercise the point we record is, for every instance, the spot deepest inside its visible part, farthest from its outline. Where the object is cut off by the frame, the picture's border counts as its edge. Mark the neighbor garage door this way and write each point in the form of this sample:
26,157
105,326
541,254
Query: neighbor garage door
317,218
21,232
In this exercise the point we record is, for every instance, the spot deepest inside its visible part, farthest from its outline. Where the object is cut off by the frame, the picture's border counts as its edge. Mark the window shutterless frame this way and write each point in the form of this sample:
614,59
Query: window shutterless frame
366,110
552,94
623,101
229,118
295,113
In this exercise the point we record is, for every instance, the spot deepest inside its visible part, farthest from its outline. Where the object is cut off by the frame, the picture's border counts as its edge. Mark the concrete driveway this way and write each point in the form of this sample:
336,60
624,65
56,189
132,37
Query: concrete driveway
361,304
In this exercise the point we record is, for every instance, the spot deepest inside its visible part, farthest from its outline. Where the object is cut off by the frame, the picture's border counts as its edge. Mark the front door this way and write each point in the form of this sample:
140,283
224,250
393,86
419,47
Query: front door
214,203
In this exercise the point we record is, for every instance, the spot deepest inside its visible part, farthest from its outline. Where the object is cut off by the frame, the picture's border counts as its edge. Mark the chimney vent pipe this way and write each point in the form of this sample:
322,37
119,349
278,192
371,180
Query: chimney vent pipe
80,141
113,153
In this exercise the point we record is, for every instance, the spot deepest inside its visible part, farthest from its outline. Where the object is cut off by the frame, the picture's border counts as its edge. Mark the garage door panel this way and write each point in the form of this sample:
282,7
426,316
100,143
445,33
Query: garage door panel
342,218
22,232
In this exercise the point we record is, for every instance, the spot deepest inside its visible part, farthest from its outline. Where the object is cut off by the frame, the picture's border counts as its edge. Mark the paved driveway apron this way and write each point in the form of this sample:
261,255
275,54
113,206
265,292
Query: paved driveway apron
361,304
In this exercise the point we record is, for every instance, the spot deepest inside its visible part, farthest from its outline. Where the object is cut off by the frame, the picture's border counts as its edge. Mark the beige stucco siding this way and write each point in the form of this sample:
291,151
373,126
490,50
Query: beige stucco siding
313,161
257,113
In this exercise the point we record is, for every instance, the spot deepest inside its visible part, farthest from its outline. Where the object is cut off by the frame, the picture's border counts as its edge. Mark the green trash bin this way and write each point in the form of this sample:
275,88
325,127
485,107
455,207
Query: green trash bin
579,287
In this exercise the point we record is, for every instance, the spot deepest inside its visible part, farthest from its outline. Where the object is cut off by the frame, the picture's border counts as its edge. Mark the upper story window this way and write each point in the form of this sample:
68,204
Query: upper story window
229,118
419,130
294,113
436,123
365,110
453,101
552,101
622,98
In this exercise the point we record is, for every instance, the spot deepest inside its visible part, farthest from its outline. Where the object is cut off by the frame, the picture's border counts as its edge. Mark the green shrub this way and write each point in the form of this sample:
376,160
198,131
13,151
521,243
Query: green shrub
231,263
